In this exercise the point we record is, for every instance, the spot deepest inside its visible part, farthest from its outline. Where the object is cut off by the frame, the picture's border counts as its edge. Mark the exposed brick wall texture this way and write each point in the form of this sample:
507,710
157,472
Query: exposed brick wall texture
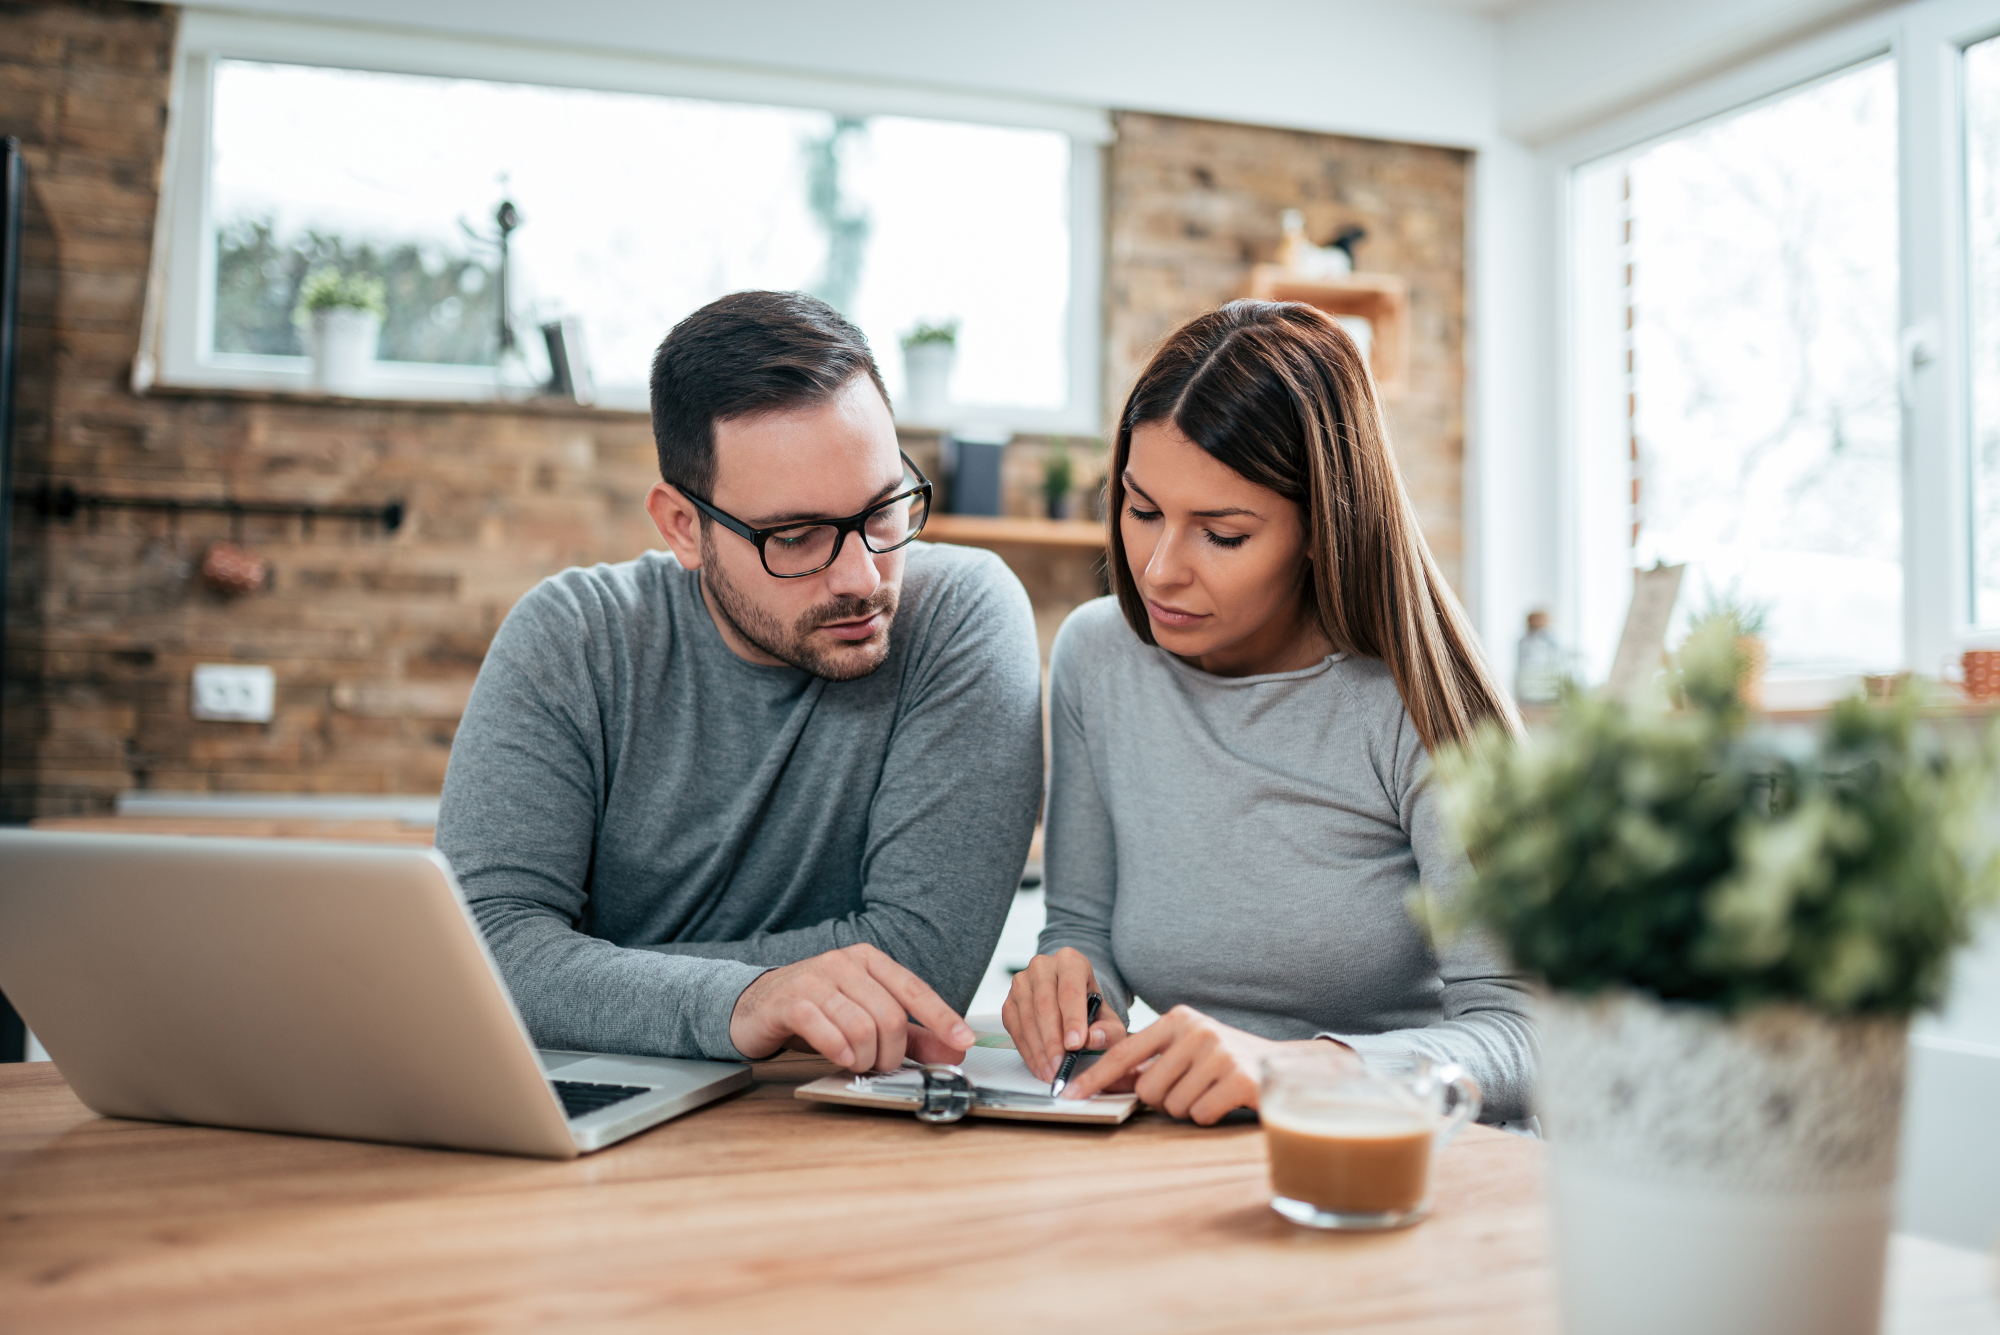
1193,204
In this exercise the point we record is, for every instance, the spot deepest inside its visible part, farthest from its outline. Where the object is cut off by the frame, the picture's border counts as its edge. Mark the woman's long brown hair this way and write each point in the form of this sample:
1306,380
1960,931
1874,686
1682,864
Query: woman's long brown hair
1279,392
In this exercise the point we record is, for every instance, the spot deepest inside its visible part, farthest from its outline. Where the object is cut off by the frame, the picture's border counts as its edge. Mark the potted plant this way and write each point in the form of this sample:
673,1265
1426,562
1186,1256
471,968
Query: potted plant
1744,620
1058,476
929,352
1733,930
342,318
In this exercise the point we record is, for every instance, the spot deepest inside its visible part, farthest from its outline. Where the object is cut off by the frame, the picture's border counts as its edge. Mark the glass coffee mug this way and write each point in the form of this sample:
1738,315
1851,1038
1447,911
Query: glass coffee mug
1351,1139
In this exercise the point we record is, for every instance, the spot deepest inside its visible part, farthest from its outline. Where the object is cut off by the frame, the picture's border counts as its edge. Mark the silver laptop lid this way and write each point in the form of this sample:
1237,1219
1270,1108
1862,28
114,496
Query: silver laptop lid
328,989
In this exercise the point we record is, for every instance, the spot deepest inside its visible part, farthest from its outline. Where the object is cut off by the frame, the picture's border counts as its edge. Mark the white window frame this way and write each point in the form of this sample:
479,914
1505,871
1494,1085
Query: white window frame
177,342
1926,41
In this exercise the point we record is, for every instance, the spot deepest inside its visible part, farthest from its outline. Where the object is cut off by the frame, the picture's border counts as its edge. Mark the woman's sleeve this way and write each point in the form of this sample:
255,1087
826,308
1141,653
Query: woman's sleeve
1079,854
1487,1026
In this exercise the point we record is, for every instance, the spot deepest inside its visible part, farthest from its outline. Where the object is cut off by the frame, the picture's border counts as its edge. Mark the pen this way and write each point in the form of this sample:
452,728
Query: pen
1069,1060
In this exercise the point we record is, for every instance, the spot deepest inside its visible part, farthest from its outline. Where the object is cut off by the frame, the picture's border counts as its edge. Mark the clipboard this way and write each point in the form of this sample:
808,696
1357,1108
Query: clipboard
988,1082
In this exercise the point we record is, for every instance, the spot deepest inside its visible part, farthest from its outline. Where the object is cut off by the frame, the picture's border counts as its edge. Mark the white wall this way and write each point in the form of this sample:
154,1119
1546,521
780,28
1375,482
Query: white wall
1565,63
1383,70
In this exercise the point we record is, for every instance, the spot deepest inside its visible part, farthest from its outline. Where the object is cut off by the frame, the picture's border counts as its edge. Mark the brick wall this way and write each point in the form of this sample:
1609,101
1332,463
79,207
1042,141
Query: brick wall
375,638
1193,204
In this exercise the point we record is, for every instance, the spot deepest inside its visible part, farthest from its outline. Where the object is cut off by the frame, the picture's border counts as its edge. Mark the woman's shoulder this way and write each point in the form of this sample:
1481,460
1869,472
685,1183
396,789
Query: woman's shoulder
1092,638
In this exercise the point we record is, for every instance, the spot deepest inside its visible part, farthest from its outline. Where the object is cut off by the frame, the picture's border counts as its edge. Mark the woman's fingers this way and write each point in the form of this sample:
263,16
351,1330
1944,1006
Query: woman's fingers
1074,981
1231,1089
1158,1084
1121,1060
1108,1030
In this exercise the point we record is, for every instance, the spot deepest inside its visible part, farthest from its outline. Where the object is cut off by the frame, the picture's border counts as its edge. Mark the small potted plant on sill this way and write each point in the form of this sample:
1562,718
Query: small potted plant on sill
1058,477
1744,620
341,315
1733,932
929,352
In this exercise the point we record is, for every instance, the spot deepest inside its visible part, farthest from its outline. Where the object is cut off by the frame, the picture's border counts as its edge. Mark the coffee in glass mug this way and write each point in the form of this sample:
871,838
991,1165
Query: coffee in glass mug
1352,1139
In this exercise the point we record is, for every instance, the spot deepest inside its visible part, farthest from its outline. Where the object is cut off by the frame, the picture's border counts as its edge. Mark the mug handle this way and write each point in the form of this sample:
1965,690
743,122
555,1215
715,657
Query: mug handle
1465,1102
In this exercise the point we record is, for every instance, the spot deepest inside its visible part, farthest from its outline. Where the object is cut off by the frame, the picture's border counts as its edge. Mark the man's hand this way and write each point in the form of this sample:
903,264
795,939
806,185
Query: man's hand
1045,1011
854,1007
1187,1065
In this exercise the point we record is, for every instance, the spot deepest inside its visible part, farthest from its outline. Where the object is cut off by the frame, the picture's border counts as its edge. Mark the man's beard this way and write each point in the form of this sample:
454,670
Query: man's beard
795,644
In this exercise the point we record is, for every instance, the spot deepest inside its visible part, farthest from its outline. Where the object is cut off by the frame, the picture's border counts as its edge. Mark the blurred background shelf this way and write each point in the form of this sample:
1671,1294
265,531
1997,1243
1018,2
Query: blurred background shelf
1006,531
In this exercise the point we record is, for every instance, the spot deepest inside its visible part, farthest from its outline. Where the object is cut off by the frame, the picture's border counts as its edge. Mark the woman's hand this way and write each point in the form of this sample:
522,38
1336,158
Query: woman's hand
1046,1007
1186,1064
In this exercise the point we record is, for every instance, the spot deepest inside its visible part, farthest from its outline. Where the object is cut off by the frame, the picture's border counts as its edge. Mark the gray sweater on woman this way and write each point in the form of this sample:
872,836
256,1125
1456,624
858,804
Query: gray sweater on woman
1250,846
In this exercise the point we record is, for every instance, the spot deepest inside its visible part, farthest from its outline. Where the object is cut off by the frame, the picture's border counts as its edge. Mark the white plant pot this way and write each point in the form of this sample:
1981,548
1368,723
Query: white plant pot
342,346
927,382
1727,1176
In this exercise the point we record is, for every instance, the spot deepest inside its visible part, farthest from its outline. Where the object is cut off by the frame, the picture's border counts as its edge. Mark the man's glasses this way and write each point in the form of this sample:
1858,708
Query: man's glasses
791,551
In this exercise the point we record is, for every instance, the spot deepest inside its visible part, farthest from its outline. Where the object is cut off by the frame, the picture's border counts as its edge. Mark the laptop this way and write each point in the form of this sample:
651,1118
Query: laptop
319,989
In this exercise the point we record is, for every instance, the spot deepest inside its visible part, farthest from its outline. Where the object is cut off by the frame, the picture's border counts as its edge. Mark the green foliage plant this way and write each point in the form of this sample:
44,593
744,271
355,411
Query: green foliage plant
1058,470
329,289
926,332
1685,853
1727,608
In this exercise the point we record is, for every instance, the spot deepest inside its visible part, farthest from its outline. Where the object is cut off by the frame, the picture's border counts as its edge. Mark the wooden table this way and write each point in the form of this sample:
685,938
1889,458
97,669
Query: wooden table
759,1214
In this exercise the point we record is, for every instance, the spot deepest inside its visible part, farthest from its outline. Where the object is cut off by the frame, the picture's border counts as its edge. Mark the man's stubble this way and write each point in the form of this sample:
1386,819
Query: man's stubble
794,644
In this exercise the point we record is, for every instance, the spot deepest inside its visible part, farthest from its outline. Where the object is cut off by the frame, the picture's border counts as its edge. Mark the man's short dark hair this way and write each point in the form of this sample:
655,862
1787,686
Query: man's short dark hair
743,354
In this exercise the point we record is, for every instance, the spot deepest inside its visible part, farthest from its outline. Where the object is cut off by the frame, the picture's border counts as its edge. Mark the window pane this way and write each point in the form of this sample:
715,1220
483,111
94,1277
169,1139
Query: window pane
1982,196
635,210
1763,294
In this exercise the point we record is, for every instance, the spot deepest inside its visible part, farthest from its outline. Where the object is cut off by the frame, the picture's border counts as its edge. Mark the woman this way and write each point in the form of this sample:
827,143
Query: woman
1239,810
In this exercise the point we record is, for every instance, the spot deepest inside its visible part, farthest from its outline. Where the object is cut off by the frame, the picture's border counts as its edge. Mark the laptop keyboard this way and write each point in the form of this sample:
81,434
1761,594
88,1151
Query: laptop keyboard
580,1099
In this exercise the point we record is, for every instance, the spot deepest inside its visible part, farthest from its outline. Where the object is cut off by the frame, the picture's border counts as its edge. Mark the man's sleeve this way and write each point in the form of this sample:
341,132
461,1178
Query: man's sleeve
951,820
518,823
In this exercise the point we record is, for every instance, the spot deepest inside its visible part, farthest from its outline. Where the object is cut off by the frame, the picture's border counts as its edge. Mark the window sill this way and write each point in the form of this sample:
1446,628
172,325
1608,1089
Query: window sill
535,407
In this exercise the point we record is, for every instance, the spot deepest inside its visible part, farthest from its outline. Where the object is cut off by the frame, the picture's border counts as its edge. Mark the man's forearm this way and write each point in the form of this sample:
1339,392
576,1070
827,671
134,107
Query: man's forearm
578,992
952,967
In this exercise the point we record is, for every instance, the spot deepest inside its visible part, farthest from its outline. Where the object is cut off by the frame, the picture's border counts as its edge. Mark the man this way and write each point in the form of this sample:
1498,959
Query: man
776,785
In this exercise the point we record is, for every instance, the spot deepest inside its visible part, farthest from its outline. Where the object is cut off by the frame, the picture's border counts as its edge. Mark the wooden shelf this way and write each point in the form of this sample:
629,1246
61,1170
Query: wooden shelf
1005,531
1382,299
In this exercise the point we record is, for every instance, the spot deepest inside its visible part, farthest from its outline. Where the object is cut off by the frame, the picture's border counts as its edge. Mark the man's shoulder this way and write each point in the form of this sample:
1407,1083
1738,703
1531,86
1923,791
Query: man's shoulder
641,588
947,572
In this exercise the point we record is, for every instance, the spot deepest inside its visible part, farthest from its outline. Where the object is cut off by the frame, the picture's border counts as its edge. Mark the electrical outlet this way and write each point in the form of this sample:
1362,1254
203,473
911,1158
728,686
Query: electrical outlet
234,692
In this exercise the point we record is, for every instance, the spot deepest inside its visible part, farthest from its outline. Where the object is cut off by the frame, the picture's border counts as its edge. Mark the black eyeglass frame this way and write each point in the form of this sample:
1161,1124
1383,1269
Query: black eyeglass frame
842,527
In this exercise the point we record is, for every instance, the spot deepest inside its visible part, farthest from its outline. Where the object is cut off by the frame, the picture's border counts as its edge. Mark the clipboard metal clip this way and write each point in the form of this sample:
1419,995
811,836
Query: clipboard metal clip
948,1094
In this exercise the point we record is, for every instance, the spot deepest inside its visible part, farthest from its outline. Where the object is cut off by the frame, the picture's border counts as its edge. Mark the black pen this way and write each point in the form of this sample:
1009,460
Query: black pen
1069,1059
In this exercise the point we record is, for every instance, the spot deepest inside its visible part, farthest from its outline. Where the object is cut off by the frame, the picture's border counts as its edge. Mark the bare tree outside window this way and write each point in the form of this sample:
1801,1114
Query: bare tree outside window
1764,308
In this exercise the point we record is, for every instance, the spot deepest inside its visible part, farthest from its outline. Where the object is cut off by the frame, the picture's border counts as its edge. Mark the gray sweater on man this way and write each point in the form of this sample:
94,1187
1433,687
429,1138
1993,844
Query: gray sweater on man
1250,846
643,822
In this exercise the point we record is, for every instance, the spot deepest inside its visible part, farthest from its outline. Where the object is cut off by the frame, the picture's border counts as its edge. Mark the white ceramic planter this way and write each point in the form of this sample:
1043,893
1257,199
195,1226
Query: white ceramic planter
1721,1176
342,346
927,382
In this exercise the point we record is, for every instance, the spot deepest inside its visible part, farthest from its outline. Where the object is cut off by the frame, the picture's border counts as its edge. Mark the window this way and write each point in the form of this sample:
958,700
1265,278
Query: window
636,205
1982,230
1782,334
1761,420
